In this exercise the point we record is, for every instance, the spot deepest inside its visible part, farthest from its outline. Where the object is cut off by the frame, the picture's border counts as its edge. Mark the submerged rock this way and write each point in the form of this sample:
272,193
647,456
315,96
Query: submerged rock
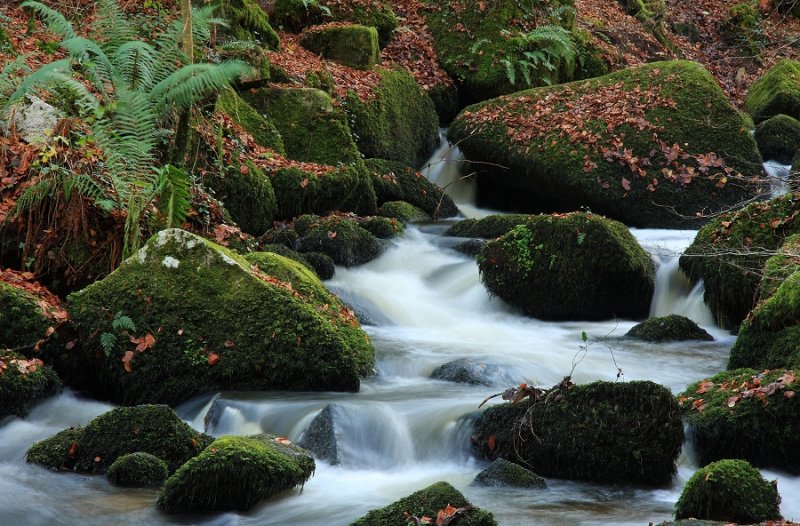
745,414
137,470
729,490
24,383
185,316
320,437
507,474
604,432
668,328
427,502
572,266
235,473
476,371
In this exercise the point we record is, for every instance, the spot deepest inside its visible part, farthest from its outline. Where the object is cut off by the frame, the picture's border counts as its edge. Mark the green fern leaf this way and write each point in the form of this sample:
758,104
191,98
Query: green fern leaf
54,20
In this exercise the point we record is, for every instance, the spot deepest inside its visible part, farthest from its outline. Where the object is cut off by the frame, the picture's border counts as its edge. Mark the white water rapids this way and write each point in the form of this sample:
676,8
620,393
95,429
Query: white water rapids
425,306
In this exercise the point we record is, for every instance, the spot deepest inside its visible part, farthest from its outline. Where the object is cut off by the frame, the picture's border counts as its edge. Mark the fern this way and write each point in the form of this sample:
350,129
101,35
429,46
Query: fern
174,189
108,340
544,48
122,321
55,21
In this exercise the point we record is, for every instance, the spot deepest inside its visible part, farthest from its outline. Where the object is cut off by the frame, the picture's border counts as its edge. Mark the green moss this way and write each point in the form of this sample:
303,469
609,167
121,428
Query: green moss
548,267
323,264
745,414
262,130
488,227
20,391
247,194
668,328
137,470
778,138
249,22
221,327
376,13
395,181
312,128
340,238
507,474
54,452
234,473
730,490
294,15
22,323
743,30
344,189
352,45
776,92
402,211
546,167
426,502
731,274
589,58
253,55
645,9
302,279
399,124
605,432
383,227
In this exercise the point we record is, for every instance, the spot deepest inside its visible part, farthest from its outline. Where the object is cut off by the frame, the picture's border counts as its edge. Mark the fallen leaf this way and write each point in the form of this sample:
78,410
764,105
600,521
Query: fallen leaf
490,442
213,358
126,360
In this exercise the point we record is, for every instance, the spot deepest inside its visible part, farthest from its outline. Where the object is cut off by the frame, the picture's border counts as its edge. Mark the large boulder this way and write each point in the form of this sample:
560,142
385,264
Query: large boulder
27,310
633,145
729,252
339,237
730,490
745,414
394,181
235,473
23,383
572,266
428,502
185,316
668,328
398,123
602,432
352,45
294,15
256,124
778,138
153,429
322,191
247,21
776,92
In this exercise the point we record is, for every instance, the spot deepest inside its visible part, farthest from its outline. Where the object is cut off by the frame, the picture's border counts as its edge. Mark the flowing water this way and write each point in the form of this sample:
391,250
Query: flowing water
423,306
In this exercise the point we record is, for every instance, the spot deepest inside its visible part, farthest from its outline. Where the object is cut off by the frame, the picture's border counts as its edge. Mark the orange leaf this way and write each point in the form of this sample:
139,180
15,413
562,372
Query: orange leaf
788,394
284,441
49,332
704,386
126,360
304,183
213,358
444,514
195,443
490,443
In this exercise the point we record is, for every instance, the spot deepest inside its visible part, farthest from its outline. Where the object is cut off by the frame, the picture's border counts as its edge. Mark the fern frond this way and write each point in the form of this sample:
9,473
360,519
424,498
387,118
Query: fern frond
54,20
136,63
10,78
57,74
111,27
174,194
194,83
96,66
511,73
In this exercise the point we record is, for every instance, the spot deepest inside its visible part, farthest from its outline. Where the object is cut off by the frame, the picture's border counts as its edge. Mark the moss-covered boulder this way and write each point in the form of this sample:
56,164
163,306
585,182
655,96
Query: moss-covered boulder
294,15
776,92
349,44
668,328
729,252
604,432
745,414
399,123
489,227
730,490
395,181
137,470
345,189
185,316
778,138
632,145
571,266
153,429
402,211
263,131
427,502
482,46
300,277
311,127
503,473
24,383
387,227
375,13
339,237
247,21
247,194
235,473
742,29
24,318
320,438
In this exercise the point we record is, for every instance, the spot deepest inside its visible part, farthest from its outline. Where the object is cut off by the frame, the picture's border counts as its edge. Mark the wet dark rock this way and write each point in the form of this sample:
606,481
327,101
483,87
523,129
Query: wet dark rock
501,472
669,328
320,437
475,371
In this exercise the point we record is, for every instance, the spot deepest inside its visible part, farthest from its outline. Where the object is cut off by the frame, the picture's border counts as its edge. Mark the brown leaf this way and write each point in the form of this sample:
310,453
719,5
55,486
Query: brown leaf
788,394
705,386
491,442
73,450
126,360
213,358
49,332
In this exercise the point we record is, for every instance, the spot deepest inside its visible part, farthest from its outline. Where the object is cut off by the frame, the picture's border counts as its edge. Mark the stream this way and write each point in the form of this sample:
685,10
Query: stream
423,305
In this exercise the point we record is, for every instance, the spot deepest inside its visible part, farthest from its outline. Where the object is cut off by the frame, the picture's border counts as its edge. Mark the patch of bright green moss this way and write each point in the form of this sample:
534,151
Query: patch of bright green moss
262,130
376,13
489,227
137,470
778,138
24,383
776,92
402,211
353,45
249,22
21,321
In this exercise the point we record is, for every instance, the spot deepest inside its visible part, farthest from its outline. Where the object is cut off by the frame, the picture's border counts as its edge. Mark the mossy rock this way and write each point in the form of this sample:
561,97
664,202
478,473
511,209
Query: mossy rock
137,470
742,29
340,238
235,473
352,45
323,264
247,194
603,432
745,414
153,429
399,123
384,227
344,189
375,13
550,269
256,124
645,9
22,320
254,56
320,437
489,227
668,328
395,181
655,167
222,327
294,15
311,127
729,253
249,22
730,490
503,473
302,279
24,383
776,92
426,502
403,212
778,138
472,39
